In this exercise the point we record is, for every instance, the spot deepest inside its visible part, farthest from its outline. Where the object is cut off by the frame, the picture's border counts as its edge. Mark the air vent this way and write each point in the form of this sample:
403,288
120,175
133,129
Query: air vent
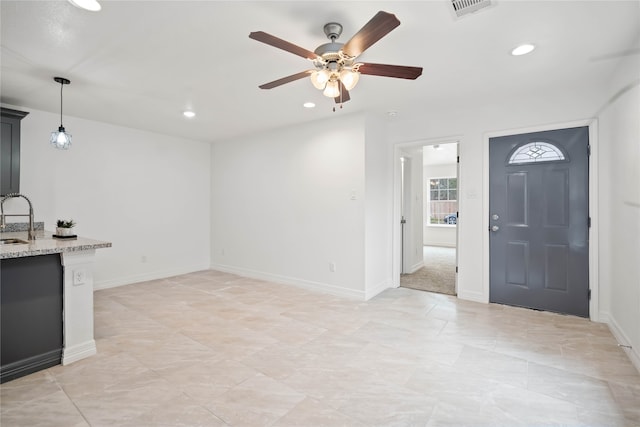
465,7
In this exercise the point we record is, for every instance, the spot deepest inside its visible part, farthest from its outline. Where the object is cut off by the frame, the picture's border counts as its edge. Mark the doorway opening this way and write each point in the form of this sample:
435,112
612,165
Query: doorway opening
428,216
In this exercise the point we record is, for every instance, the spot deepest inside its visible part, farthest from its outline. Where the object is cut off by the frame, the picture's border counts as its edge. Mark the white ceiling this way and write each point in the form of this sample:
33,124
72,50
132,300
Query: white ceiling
141,63
439,154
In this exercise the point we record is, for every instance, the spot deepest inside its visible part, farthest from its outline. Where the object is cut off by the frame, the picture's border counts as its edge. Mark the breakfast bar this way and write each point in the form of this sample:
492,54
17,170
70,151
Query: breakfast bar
47,301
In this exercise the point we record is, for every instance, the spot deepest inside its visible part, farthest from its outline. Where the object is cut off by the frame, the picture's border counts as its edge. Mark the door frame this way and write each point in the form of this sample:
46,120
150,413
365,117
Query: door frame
594,286
397,230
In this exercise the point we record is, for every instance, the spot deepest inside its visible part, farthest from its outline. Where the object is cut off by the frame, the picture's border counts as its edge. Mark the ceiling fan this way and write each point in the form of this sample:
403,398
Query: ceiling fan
335,70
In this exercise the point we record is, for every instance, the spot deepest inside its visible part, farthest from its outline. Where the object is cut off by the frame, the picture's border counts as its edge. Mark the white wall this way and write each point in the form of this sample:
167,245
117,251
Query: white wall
619,125
146,193
438,235
287,203
470,124
281,199
378,211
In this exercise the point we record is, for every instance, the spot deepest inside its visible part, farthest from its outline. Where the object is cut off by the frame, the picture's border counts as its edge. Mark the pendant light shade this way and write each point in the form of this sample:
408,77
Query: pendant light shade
61,139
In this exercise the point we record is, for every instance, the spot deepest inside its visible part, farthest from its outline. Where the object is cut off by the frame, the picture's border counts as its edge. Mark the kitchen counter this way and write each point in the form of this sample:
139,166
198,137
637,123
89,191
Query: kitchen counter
52,276
45,244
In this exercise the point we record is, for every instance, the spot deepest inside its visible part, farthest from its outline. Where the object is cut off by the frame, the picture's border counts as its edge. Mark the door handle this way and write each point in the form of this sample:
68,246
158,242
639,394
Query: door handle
495,228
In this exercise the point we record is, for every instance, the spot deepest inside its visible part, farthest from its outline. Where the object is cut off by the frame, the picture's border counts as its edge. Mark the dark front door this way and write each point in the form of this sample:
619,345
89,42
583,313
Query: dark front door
538,225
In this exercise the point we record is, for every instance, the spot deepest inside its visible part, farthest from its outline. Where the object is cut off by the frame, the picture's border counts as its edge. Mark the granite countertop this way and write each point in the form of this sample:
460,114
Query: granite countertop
45,244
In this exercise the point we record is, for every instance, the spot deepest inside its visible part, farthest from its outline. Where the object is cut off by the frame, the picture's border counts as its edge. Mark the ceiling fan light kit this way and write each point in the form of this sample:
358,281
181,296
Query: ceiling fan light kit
332,89
320,78
349,78
336,71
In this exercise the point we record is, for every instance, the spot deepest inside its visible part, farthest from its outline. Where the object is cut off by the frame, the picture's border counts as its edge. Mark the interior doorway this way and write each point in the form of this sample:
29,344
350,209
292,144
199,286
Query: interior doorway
429,216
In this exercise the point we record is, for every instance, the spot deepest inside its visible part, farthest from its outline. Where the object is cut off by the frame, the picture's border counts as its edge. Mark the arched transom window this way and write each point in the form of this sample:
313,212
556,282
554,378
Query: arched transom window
536,152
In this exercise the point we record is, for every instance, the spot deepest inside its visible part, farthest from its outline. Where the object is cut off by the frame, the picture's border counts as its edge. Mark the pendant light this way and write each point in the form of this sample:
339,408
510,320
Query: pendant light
61,139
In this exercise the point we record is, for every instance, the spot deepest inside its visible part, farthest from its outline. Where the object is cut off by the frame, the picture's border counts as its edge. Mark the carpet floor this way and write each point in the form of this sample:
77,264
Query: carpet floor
437,275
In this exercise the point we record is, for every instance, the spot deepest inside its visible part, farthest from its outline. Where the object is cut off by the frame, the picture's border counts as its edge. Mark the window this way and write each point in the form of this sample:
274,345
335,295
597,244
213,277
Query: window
535,152
443,201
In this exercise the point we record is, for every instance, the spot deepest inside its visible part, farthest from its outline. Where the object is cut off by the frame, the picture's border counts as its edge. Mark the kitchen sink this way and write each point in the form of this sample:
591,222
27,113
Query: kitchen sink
13,242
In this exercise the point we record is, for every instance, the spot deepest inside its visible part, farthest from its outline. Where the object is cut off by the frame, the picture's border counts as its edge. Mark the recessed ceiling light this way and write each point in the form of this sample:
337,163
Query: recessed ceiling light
523,49
189,114
91,5
308,105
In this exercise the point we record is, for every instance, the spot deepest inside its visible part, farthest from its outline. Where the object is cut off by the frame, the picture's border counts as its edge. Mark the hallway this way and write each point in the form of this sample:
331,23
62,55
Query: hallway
437,275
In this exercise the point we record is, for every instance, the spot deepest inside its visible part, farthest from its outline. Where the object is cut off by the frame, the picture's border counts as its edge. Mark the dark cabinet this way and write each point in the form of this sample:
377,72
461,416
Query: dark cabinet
10,151
31,316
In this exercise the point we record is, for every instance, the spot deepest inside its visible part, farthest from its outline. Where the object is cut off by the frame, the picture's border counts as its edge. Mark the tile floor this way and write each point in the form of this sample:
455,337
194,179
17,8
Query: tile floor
214,349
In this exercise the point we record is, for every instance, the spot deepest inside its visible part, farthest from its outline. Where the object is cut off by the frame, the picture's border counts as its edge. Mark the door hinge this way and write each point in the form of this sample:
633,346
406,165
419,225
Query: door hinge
456,269
589,294
458,159
589,222
588,149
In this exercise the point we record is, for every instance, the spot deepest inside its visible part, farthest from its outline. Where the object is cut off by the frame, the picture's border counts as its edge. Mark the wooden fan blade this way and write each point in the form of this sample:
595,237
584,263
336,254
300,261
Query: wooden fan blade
344,94
274,41
288,79
378,27
385,70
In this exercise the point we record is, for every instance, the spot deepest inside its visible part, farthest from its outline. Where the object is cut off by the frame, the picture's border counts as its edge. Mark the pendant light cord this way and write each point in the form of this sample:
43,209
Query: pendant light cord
61,86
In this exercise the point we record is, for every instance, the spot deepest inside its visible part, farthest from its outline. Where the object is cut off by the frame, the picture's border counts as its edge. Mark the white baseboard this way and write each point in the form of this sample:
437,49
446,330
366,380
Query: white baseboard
622,339
78,352
380,287
472,296
306,284
417,266
153,275
440,244
602,317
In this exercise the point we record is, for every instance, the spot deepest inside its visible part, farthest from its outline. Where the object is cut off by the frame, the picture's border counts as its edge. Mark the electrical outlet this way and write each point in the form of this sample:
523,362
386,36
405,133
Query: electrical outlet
332,266
79,277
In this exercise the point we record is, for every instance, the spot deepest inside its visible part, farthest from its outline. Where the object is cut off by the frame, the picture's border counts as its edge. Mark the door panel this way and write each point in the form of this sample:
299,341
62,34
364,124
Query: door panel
517,263
517,199
557,267
556,198
539,249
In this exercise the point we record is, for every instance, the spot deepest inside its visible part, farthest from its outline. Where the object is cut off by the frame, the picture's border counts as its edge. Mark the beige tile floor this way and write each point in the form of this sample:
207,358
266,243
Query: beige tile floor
214,349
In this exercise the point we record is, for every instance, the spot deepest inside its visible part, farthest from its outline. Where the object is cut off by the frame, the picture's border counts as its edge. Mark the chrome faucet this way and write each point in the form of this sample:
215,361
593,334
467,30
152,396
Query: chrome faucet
31,232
